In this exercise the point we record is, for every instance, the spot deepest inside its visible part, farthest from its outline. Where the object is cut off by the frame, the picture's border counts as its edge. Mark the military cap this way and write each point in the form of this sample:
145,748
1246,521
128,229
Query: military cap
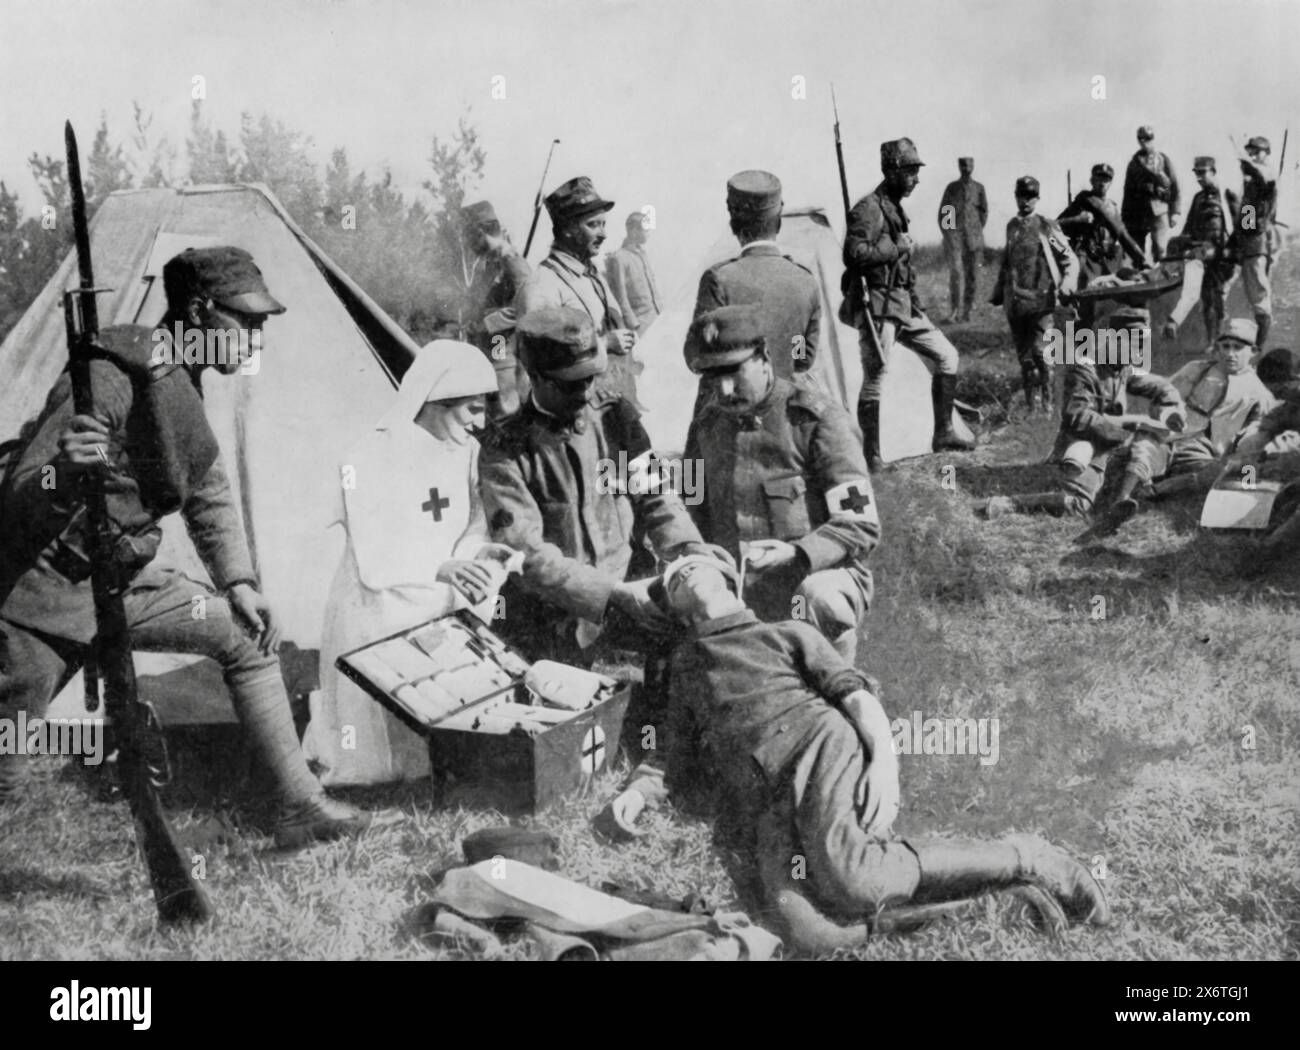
725,337
228,276
1240,329
899,153
1259,142
966,160
480,213
560,342
1279,365
754,194
1146,133
576,199
1026,186
709,554
1204,164
1128,317
636,219
1103,171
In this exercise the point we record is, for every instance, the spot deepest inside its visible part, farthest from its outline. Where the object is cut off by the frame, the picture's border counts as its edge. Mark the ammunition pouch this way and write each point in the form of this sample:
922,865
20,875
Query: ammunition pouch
129,551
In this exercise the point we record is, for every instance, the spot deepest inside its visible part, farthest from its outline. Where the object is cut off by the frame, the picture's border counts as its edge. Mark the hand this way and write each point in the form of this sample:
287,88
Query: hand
1173,219
256,613
617,821
472,579
1287,441
620,341
769,555
877,795
633,601
83,445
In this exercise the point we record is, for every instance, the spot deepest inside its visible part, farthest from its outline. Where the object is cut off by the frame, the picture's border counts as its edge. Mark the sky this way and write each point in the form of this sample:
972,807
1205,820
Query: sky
659,101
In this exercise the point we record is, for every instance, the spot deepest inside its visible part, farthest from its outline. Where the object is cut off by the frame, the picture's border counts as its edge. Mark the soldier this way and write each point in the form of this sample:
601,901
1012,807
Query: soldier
877,251
786,291
631,279
1256,236
1038,271
540,474
1097,235
151,441
963,213
1095,420
1223,397
1205,238
1151,200
785,484
1279,370
568,277
497,273
792,744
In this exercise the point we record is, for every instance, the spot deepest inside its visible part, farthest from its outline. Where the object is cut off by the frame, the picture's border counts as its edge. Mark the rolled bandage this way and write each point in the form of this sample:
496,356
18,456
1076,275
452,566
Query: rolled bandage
375,670
569,687
1077,457
405,659
434,702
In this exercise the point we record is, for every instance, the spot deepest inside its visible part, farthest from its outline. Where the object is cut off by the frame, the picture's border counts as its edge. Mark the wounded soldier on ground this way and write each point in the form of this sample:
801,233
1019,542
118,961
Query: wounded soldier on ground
1224,399
1096,421
792,743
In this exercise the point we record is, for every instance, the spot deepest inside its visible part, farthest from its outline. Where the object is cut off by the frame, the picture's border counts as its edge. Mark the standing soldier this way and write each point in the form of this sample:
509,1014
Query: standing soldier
785,483
1038,271
1205,238
568,277
497,273
963,213
1150,194
877,252
1256,234
1097,236
787,292
631,279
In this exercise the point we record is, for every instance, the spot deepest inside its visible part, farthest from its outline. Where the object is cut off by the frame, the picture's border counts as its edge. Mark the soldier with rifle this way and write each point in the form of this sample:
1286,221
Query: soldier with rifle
121,442
1097,235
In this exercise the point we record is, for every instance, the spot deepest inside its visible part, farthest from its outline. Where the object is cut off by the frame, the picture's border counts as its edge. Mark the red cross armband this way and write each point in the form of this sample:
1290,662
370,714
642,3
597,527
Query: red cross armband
852,500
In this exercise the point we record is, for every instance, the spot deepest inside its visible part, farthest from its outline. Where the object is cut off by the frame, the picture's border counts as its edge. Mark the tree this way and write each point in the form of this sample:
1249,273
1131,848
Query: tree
457,167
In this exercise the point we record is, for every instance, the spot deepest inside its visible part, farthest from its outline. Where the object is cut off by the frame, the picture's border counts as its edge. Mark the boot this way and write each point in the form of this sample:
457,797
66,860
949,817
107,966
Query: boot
1264,322
955,868
942,390
869,421
1122,507
1046,388
307,813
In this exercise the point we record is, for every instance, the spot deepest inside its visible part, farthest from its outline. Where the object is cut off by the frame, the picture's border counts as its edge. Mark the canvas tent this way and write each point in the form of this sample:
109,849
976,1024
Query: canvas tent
327,372
667,387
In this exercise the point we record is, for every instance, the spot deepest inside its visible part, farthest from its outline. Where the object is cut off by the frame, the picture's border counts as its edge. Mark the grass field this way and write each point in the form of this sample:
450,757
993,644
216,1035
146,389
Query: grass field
1160,744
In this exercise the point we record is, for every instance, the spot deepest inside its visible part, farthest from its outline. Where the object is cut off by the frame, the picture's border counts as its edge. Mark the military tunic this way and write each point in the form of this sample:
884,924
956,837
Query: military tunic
962,214
791,470
1027,287
541,482
788,293
1097,236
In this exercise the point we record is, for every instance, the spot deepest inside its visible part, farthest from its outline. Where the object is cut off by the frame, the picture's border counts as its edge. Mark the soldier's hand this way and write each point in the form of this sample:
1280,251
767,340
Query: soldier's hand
620,341
617,821
473,579
83,445
255,611
877,794
634,601
769,555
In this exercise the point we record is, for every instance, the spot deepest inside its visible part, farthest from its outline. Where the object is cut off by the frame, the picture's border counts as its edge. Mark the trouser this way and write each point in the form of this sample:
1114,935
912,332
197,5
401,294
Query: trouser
166,617
1155,225
1256,284
809,834
1150,460
1215,285
1029,333
916,334
963,263
835,601
1083,470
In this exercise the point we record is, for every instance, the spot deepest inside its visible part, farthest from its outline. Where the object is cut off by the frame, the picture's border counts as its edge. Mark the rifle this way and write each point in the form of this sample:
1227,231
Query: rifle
179,898
537,201
873,337
1069,189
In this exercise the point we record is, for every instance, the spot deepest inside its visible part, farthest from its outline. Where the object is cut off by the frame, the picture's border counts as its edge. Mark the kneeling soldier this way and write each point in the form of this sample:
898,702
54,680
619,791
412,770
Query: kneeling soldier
785,482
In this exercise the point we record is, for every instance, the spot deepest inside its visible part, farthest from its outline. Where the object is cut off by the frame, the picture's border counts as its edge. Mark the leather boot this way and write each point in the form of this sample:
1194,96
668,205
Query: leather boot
1263,322
307,813
869,421
943,388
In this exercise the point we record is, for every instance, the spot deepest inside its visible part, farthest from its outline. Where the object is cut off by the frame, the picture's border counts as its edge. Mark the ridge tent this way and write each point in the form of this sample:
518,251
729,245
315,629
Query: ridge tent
667,387
327,372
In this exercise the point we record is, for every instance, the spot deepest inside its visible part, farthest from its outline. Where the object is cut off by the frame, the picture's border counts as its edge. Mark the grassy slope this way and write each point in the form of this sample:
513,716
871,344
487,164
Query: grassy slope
1120,738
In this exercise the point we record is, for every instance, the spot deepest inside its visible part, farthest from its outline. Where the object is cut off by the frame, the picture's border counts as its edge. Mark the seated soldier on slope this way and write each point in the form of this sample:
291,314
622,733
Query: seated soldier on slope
793,743
1095,421
1224,397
